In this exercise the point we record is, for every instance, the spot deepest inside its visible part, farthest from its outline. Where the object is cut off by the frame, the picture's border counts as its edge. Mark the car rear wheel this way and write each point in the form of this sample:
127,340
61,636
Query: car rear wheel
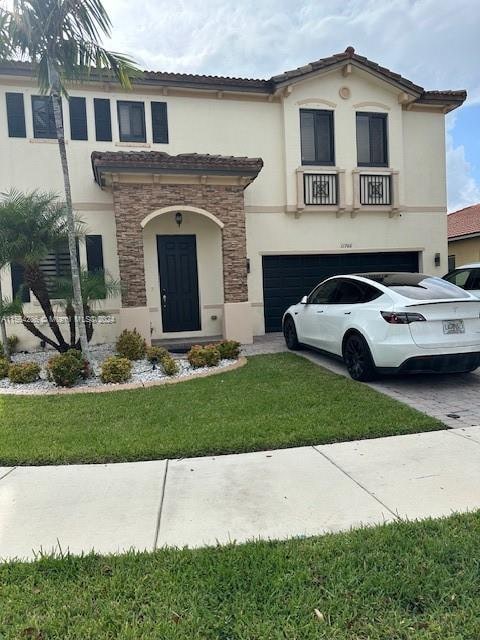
290,334
357,357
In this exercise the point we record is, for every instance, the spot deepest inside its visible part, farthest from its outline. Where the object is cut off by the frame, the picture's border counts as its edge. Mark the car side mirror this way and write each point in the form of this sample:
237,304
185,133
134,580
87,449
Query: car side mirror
304,300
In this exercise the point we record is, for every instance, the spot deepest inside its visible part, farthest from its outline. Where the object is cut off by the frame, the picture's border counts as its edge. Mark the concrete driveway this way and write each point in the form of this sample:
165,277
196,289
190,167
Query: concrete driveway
454,398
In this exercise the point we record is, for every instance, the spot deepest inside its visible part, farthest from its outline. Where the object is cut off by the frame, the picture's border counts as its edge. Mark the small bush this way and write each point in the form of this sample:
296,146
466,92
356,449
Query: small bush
229,349
159,353
66,368
199,356
116,369
23,372
75,353
131,345
13,343
2,351
4,365
169,365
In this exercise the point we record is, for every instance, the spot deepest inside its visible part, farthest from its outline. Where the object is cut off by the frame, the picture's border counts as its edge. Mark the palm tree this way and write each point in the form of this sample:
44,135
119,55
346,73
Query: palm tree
62,40
32,226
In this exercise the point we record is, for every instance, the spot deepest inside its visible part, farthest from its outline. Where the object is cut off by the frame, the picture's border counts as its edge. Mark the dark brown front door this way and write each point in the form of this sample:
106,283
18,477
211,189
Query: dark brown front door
177,265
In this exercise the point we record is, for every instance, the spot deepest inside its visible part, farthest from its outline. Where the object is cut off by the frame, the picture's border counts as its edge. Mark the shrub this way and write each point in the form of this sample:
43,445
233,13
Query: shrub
4,365
23,372
159,353
13,343
116,369
75,353
65,369
131,345
199,356
229,349
169,365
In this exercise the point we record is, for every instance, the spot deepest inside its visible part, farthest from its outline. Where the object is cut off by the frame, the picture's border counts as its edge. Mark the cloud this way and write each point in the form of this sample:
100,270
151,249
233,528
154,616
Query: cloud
435,43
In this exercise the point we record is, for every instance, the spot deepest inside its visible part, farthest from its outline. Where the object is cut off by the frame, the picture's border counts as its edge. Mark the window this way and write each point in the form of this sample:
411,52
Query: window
468,279
78,118
324,293
131,121
417,286
43,118
15,115
160,122
93,245
451,262
372,147
316,137
351,292
103,119
18,283
56,265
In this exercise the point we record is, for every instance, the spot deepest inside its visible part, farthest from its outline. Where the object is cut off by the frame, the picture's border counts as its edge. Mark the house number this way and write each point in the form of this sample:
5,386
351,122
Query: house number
346,245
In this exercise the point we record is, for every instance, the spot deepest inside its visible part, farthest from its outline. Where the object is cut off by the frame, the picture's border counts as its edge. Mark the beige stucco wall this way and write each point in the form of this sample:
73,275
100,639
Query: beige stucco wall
252,127
465,251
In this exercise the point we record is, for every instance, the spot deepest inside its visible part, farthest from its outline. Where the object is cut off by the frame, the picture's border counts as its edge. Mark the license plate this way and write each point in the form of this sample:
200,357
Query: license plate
453,326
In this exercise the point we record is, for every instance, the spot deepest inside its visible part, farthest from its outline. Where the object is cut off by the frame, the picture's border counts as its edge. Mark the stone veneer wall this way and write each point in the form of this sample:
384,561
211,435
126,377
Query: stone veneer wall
132,202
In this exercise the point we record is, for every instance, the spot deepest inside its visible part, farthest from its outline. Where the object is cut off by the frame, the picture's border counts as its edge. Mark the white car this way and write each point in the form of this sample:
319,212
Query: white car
467,277
389,323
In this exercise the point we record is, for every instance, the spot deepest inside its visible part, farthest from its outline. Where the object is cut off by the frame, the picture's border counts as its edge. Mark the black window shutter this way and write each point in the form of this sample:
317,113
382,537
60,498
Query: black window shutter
103,119
16,115
94,253
78,118
160,122
18,272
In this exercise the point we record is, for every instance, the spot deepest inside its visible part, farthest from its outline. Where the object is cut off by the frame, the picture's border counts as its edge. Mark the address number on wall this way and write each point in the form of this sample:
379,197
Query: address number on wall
346,245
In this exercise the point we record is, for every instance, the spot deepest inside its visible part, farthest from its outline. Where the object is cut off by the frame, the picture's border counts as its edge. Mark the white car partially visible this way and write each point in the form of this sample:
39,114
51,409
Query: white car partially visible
389,323
467,277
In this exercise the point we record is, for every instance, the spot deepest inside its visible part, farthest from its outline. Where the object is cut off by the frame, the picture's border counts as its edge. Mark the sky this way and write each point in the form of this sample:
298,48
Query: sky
434,43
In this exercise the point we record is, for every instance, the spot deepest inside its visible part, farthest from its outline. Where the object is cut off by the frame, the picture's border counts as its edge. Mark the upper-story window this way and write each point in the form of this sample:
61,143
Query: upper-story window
372,142
43,117
131,121
316,135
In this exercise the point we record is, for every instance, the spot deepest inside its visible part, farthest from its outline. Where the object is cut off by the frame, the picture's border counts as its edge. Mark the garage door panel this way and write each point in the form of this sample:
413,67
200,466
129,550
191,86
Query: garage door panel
286,278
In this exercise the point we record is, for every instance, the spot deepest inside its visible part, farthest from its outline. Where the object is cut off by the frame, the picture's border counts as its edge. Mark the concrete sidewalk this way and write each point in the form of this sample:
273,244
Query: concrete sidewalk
202,501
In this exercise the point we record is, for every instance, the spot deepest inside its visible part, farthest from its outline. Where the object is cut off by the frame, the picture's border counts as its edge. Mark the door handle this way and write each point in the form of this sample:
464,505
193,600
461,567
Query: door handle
347,313
164,299
321,311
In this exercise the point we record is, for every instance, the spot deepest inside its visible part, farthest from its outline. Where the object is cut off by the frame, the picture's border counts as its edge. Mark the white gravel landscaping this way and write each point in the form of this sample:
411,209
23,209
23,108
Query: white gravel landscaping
142,371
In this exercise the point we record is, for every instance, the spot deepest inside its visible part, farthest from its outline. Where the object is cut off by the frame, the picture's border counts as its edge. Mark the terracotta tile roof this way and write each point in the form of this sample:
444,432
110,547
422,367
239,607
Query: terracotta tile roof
220,83
160,162
464,222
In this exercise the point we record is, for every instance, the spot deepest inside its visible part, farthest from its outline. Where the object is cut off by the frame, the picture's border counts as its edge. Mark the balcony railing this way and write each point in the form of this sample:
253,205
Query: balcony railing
320,189
375,189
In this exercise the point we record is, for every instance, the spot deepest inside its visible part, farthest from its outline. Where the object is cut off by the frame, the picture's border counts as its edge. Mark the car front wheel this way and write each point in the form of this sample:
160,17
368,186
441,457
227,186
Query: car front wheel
290,334
357,357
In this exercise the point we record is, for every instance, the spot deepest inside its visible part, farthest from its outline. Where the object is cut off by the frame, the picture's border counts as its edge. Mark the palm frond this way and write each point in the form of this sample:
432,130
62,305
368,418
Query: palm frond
9,308
95,286
64,36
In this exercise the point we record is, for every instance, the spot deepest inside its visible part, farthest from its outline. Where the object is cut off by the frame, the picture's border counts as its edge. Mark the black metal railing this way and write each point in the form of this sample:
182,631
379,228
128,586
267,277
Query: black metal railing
320,188
375,189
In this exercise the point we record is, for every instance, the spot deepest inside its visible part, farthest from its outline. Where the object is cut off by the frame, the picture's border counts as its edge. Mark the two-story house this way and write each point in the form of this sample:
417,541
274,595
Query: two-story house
220,201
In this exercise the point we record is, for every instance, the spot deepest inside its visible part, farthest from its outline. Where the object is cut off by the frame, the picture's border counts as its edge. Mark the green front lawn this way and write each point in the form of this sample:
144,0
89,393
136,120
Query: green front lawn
395,582
274,401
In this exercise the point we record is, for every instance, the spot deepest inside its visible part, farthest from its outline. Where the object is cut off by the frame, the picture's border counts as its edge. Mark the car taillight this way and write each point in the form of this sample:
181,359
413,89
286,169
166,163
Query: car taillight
402,318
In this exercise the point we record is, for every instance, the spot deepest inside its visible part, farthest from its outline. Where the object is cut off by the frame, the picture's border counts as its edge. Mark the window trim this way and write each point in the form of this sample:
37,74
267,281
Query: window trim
131,138
384,117
317,162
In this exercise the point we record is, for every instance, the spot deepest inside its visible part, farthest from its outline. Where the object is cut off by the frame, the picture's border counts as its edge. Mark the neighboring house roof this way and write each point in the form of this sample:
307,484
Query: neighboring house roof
160,162
449,98
465,222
